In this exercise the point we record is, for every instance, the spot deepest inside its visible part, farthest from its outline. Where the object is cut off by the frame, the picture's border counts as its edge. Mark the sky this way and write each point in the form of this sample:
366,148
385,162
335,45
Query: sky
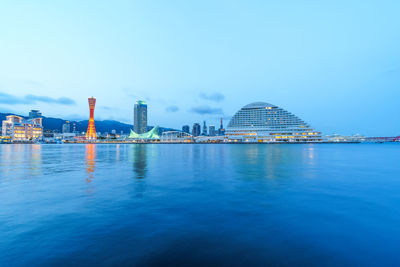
335,64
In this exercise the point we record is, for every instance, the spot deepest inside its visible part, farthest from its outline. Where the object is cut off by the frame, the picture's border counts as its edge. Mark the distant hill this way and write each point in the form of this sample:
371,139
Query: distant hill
55,124
104,126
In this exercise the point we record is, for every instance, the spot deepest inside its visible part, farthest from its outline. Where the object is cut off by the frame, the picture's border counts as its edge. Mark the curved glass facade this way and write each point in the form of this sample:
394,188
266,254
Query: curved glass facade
152,134
263,122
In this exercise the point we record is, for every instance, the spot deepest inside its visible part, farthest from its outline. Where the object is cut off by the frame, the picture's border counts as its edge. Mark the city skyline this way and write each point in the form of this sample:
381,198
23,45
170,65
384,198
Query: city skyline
340,75
199,133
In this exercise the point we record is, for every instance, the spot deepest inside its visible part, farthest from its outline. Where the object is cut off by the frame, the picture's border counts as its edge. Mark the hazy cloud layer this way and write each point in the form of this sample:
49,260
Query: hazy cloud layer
75,117
206,110
172,109
32,99
216,97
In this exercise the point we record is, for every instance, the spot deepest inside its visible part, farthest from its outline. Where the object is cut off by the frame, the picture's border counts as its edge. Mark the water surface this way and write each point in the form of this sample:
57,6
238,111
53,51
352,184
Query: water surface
200,205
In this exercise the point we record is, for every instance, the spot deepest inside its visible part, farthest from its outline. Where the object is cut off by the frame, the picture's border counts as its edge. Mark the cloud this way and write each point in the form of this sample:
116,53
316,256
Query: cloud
32,99
206,110
11,100
216,97
172,109
46,99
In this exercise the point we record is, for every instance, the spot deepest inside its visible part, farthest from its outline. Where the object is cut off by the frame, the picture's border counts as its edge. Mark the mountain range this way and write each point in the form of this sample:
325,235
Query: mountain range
55,124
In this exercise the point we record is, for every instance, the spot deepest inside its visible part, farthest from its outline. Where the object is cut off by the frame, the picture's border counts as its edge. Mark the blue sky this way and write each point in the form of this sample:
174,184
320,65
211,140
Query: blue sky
333,63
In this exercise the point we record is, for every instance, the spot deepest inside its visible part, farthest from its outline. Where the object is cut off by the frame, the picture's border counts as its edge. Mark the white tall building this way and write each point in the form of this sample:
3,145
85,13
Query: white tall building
263,122
66,127
22,130
140,117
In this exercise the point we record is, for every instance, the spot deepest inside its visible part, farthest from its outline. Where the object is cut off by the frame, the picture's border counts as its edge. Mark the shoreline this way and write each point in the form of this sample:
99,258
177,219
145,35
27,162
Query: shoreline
189,143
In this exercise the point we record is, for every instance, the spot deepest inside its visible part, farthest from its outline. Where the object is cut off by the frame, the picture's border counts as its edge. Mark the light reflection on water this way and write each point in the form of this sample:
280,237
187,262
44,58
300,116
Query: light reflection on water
90,161
140,160
203,205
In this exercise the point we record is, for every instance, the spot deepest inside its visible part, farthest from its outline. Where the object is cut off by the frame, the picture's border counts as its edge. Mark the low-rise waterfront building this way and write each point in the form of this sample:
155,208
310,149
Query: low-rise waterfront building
210,139
68,136
337,138
20,129
5,139
153,134
176,137
382,139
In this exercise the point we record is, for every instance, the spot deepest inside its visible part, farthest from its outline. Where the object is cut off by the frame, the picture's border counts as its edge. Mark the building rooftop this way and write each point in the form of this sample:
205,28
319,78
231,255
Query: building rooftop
258,105
141,102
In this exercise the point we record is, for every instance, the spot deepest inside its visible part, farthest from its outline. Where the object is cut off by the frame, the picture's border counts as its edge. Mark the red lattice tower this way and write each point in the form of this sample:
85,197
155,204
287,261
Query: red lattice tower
91,130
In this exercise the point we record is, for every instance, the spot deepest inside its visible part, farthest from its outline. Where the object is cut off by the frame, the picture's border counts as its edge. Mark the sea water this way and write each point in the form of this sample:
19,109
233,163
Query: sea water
200,204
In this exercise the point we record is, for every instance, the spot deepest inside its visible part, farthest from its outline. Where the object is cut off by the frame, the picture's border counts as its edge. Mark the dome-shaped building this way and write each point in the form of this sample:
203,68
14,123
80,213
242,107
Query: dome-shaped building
263,122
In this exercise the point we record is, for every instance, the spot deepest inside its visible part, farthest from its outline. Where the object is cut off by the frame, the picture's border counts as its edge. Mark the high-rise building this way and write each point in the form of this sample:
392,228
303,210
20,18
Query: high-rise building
91,130
186,129
140,117
66,128
263,122
211,130
196,129
34,113
22,130
221,130
204,128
